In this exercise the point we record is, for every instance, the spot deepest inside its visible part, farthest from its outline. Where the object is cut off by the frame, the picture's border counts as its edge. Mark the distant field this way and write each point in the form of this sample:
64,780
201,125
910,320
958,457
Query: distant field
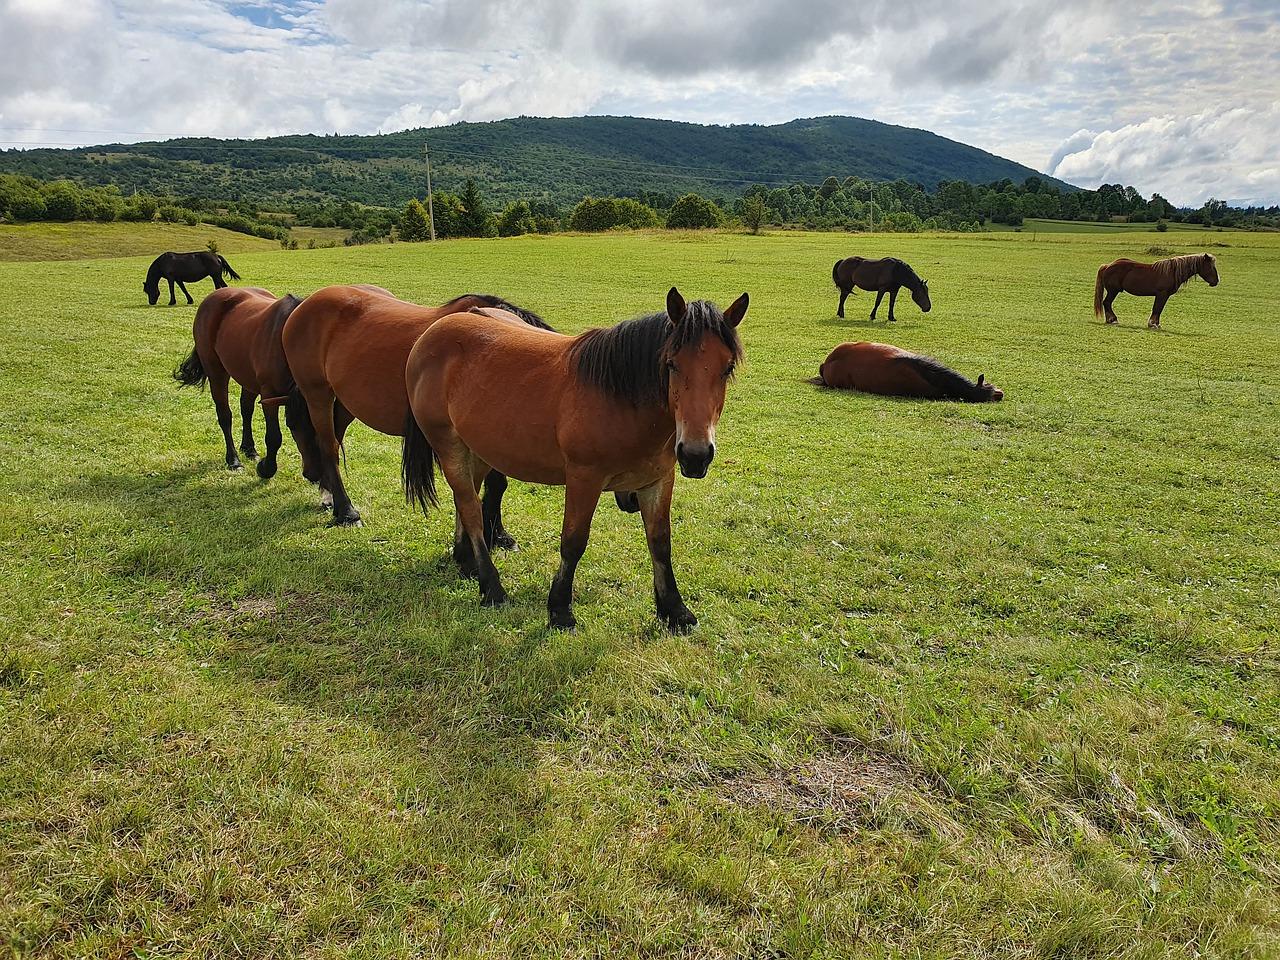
970,681
88,241
321,235
1085,226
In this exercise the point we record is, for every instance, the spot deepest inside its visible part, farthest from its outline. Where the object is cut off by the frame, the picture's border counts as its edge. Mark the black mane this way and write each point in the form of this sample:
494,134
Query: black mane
952,385
528,316
904,275
629,360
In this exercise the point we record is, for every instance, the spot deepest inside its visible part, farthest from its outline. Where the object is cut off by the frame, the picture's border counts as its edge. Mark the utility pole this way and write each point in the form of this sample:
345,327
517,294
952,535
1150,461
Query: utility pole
431,214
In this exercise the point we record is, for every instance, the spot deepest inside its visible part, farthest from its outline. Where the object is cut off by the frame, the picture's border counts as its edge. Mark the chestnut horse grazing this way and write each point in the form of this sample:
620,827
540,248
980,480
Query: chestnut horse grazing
347,348
887,370
1161,280
188,267
883,276
237,334
613,409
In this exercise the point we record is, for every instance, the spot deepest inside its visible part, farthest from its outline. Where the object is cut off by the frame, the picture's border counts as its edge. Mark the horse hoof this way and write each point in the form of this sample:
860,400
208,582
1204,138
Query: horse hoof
250,454
236,465
504,541
266,469
680,621
350,520
562,619
497,597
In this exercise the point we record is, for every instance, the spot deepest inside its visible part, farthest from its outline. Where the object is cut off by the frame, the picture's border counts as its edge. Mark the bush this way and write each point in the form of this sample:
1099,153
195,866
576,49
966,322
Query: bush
607,213
516,219
140,208
414,224
62,200
20,200
692,212
754,213
900,221
1162,225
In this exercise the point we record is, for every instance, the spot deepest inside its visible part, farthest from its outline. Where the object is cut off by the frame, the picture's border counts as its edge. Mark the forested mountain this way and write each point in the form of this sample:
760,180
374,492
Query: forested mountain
560,159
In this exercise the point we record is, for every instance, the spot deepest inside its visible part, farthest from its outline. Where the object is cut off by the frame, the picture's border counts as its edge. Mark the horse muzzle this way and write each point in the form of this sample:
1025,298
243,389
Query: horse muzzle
695,458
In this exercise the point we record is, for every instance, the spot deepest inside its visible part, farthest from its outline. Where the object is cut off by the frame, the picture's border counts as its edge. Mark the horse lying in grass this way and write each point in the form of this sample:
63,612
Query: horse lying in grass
883,276
892,372
612,409
237,337
183,268
347,347
1161,280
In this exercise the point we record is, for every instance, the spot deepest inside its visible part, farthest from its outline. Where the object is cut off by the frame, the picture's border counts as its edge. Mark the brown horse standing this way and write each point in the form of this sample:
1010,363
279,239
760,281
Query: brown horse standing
890,371
613,409
347,348
237,335
883,276
1161,280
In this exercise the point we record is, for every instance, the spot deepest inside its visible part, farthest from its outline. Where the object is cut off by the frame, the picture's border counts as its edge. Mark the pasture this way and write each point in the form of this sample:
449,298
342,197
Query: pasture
970,680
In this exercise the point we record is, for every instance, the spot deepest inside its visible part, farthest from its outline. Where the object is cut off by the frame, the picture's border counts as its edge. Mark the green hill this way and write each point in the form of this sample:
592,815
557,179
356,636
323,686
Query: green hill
562,159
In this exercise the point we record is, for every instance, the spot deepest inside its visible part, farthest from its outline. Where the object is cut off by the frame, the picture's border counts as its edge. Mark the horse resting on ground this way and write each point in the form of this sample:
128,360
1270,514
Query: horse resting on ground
887,370
346,348
882,276
183,268
237,337
1161,280
613,409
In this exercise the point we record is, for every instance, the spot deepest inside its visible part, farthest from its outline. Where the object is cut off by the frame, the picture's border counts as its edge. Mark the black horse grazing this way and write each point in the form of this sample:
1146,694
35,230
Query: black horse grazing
188,267
882,276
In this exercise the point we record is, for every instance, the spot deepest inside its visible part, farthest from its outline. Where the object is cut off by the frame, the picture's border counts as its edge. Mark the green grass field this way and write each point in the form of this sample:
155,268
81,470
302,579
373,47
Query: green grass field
88,241
970,681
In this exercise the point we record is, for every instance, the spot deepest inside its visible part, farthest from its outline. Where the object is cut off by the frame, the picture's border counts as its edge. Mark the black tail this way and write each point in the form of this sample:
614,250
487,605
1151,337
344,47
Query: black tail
226,268
190,373
417,466
835,273
528,316
297,416
951,385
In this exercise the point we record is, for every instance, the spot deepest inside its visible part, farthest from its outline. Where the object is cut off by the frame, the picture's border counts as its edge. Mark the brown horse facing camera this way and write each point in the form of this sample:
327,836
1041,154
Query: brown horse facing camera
237,335
890,371
883,276
347,348
613,409
1161,280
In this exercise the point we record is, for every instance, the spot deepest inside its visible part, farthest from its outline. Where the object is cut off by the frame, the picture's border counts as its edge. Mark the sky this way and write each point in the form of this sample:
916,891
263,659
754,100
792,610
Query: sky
1179,97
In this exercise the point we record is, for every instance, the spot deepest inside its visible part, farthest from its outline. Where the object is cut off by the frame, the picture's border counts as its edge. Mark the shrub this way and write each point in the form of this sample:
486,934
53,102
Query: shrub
414,224
607,213
692,212
1162,225
20,200
754,213
516,219
61,200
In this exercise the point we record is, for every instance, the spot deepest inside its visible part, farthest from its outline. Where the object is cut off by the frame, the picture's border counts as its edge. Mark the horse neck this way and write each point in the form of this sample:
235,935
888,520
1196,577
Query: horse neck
906,276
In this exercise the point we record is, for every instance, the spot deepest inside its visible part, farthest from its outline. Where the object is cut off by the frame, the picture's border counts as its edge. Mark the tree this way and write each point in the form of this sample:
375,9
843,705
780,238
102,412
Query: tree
476,220
692,212
414,224
516,219
754,212
62,200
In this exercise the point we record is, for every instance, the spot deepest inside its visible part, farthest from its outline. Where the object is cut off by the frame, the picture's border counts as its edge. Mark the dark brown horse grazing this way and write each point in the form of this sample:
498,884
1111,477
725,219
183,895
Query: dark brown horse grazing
1161,280
887,370
882,276
613,409
183,268
237,333
347,348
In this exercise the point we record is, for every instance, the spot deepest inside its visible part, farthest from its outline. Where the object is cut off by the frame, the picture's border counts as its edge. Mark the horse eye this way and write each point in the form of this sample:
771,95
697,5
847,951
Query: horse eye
671,365
728,371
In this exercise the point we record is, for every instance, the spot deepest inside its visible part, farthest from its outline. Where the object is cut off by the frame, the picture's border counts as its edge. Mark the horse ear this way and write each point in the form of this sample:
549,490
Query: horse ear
675,306
981,377
737,310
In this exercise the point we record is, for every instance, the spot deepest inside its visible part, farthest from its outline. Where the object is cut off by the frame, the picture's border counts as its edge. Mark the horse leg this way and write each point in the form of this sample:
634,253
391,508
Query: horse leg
581,494
495,534
893,298
322,417
173,299
844,295
247,400
1156,310
1108,313
186,293
218,382
655,508
463,471
879,297
267,465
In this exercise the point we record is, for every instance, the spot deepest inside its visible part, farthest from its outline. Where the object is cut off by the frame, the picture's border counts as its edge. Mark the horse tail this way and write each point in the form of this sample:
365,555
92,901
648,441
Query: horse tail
417,465
1098,289
297,415
191,372
226,268
835,273
949,384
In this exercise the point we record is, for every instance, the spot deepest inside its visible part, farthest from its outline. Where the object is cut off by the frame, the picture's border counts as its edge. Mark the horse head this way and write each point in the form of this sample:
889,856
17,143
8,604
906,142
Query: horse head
699,355
988,392
152,289
921,296
1209,269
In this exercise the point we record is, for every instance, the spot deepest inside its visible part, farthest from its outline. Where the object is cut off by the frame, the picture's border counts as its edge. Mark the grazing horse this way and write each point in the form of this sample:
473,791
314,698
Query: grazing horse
183,268
1161,280
612,409
882,276
347,348
887,370
237,334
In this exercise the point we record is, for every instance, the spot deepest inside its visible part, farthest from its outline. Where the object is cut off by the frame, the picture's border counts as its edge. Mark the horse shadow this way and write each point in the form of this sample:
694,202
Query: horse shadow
355,628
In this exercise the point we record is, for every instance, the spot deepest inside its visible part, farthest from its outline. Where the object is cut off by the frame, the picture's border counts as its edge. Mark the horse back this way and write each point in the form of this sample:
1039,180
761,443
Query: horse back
879,368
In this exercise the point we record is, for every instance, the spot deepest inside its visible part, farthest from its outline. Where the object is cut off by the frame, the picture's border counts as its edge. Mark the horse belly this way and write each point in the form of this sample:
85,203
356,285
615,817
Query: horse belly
510,425
234,346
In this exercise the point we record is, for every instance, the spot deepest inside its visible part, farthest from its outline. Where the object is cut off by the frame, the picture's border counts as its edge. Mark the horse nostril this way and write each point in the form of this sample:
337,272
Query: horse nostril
679,450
